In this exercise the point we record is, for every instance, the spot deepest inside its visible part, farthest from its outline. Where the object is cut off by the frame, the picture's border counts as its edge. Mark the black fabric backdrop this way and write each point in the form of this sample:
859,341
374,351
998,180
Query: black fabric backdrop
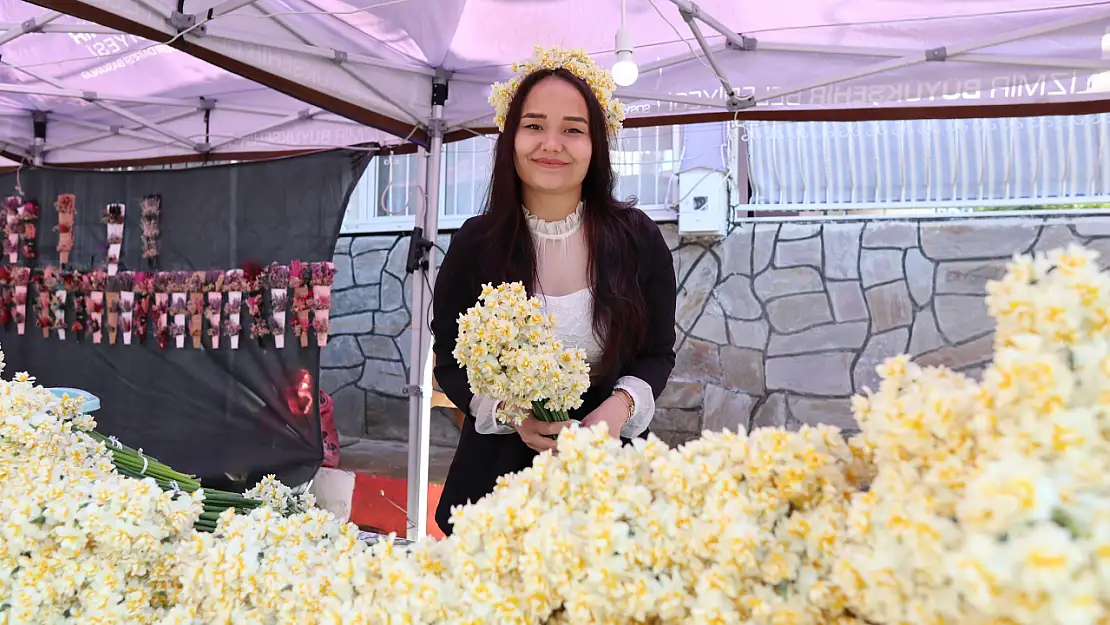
202,411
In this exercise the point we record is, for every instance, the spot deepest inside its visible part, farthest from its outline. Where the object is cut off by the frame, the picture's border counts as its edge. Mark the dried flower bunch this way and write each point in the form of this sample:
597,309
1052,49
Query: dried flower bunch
150,208
66,205
113,214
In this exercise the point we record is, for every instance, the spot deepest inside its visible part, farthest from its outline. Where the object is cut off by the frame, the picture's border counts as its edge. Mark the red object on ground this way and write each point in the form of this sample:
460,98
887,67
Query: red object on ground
385,513
331,436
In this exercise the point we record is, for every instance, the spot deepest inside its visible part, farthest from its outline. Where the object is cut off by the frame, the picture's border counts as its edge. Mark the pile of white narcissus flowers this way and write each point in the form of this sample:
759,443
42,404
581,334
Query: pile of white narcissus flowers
985,503
991,500
78,542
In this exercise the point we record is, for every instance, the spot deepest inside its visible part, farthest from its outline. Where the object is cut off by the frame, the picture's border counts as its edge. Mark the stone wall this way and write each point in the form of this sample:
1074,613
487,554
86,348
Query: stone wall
778,323
365,365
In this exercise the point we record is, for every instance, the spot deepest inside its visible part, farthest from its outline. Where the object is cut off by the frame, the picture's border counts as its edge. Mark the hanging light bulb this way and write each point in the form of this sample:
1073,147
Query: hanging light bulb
625,71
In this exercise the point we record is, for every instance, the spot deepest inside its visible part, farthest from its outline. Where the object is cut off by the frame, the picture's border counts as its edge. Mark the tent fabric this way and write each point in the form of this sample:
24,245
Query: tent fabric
810,59
111,97
208,412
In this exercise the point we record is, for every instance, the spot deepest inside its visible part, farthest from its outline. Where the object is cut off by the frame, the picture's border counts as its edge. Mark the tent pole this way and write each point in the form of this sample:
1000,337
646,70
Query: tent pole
730,94
421,264
30,26
637,96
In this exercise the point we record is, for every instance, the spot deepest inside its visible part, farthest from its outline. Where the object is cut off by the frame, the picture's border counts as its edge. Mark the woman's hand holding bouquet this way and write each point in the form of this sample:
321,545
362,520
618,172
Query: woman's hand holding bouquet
510,353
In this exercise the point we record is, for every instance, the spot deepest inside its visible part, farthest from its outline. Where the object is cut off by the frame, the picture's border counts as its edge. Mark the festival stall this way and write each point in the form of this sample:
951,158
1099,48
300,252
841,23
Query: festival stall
192,301
422,75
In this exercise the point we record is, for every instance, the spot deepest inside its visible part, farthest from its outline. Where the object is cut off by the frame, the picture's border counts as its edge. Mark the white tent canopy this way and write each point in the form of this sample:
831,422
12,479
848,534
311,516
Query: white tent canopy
378,63
109,97
805,59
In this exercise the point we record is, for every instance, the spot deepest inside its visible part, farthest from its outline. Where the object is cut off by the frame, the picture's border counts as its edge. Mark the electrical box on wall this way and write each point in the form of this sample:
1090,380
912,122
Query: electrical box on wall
703,202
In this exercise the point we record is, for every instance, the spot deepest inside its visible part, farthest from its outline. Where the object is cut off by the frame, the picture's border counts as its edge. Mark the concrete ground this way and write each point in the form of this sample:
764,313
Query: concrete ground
390,458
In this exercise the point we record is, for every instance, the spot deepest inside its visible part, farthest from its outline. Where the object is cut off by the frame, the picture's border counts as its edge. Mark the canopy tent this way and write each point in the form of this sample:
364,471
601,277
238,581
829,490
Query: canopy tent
374,62
101,97
419,70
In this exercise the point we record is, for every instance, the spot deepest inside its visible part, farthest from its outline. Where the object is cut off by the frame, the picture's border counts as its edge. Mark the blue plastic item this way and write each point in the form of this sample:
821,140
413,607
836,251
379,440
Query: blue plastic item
92,402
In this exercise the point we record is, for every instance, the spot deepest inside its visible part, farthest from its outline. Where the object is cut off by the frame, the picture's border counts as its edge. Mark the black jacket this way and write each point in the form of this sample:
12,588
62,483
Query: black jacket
481,458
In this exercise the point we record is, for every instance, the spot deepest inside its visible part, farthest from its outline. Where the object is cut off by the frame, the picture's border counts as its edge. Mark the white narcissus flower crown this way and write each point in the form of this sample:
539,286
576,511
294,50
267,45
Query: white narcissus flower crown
574,61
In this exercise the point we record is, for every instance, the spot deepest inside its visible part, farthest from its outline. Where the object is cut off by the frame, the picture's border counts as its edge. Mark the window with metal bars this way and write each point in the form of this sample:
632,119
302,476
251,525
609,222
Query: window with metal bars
930,165
386,199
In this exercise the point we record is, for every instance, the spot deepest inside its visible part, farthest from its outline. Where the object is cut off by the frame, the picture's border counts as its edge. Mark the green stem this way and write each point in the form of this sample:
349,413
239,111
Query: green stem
151,467
238,502
540,411
130,463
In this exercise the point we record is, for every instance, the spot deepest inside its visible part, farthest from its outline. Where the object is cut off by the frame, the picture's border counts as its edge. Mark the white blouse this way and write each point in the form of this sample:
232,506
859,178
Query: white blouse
562,266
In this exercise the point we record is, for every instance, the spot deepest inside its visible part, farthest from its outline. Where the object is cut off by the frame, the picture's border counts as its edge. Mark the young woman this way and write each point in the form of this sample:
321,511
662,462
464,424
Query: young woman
599,264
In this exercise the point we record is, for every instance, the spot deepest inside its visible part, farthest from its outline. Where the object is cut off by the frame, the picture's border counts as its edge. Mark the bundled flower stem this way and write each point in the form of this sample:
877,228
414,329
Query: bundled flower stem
298,272
323,275
302,299
278,279
29,216
55,283
178,306
299,325
214,282
135,464
195,286
111,302
160,310
114,216
66,205
21,277
177,331
510,353
95,288
75,285
151,210
256,283
58,309
7,299
233,329
42,302
80,316
235,283
320,324
12,226
260,328
126,304
144,295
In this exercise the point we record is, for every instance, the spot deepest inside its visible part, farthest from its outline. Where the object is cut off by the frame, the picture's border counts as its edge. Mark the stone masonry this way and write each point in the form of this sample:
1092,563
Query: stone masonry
779,324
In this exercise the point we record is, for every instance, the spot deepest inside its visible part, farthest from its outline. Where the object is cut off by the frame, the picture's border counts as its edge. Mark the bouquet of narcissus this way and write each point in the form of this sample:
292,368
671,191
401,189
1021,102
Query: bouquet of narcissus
510,353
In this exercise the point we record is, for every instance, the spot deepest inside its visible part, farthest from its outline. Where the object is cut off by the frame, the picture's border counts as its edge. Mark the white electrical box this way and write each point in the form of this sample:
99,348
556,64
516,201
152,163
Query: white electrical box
703,202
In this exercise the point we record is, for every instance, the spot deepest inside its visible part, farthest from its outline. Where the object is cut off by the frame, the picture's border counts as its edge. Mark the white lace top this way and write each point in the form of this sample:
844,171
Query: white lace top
564,287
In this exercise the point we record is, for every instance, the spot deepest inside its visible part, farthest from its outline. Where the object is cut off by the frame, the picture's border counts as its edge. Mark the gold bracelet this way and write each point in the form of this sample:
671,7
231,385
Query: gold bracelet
628,400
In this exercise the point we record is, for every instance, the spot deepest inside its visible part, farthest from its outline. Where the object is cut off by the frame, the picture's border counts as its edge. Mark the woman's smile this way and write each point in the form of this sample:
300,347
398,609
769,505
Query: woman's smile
549,163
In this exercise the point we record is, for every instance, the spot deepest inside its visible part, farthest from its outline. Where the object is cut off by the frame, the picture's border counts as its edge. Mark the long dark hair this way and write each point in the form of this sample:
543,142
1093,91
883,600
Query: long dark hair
620,315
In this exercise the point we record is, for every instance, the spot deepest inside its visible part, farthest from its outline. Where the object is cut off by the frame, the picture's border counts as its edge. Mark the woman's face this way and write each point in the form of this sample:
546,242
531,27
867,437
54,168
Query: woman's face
552,146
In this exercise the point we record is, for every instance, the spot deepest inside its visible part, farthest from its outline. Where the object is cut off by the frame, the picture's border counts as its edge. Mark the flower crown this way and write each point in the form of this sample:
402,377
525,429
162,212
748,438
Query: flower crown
574,61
